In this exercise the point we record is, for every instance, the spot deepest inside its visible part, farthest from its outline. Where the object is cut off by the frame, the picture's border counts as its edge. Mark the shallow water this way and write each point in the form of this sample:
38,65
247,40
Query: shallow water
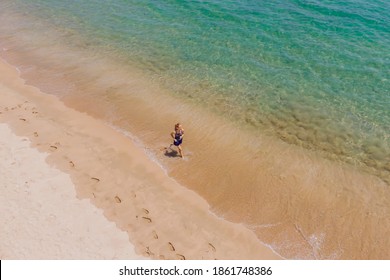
241,78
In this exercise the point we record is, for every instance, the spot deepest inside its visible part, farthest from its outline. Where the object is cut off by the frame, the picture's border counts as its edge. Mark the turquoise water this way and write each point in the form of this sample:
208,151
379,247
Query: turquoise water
314,73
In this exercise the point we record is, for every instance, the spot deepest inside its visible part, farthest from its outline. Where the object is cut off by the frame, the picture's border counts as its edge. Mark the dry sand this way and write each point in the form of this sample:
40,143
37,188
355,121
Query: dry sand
68,178
41,216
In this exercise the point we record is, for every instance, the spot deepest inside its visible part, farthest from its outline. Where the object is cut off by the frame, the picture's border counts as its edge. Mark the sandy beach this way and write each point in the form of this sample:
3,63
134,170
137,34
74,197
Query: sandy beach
42,216
286,145
74,188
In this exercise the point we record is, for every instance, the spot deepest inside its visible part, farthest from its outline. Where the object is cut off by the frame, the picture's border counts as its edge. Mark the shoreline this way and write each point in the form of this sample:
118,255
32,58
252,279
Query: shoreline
304,204
162,219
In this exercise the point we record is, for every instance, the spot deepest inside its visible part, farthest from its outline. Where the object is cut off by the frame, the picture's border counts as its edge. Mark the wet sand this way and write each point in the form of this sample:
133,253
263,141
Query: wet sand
71,172
41,216
302,205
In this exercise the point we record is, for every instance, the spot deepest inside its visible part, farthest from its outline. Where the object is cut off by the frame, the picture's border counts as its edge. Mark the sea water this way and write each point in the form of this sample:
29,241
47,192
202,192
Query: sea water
314,74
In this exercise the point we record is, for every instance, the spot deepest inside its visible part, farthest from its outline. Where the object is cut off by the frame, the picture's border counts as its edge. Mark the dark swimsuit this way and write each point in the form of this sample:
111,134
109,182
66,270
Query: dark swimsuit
178,138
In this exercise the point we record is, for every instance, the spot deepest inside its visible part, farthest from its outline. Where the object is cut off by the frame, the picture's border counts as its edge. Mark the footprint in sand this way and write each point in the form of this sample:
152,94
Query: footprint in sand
180,257
36,134
53,148
154,233
71,163
23,119
171,247
117,199
148,252
149,220
212,247
95,179
34,110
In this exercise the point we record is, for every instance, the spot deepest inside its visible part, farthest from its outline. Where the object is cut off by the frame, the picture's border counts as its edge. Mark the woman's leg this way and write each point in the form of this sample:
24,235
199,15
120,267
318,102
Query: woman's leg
180,150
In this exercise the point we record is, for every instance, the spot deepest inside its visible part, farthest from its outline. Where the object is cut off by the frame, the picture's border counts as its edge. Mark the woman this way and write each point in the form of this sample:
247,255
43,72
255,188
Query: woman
177,136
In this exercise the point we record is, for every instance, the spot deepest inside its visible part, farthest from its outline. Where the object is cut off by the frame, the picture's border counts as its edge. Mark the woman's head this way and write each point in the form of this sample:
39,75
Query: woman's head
177,126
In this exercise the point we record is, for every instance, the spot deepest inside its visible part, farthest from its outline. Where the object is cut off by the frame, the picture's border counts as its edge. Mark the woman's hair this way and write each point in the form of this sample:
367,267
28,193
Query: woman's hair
177,125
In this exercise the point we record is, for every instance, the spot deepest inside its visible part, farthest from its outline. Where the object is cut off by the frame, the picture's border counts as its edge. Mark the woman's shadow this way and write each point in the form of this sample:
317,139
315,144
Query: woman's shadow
169,152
